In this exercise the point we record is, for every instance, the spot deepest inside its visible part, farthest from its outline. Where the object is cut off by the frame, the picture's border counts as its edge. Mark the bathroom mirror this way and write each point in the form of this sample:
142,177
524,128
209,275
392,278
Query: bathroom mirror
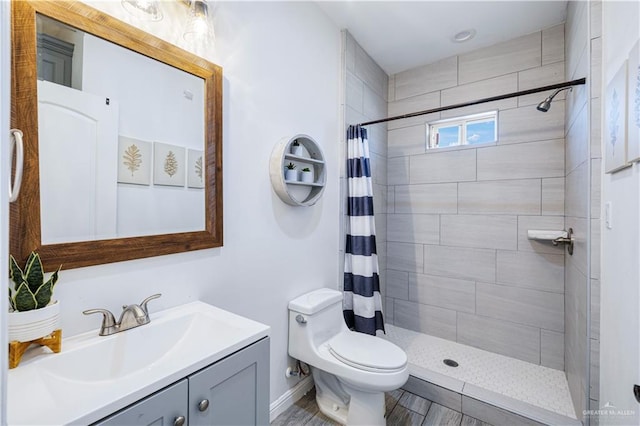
123,155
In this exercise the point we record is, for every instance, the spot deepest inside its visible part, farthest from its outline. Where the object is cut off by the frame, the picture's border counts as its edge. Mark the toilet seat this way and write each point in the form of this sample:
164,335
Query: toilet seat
367,352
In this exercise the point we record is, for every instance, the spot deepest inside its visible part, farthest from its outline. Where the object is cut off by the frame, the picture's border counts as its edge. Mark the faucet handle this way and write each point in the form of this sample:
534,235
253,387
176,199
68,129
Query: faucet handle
108,320
143,304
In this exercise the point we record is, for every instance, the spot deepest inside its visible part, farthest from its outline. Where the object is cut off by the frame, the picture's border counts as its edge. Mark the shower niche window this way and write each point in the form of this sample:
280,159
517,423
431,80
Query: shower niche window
473,129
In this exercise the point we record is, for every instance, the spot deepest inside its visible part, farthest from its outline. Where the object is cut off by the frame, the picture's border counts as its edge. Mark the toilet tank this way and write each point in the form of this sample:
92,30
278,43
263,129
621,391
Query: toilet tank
321,311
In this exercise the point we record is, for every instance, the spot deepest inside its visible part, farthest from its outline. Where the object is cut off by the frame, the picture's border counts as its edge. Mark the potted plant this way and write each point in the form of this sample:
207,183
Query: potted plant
291,174
306,175
296,149
32,314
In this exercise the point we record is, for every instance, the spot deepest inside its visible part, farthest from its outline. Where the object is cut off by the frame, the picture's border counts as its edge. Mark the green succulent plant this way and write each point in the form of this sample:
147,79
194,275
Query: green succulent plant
291,166
30,290
306,169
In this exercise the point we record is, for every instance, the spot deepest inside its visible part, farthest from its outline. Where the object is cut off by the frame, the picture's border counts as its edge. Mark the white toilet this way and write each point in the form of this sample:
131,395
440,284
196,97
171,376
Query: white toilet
351,370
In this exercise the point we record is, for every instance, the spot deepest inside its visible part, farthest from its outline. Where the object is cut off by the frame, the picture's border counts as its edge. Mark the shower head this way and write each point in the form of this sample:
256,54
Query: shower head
546,104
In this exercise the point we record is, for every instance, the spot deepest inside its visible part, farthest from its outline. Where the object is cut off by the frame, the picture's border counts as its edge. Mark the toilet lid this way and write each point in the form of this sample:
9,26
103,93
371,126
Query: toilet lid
367,352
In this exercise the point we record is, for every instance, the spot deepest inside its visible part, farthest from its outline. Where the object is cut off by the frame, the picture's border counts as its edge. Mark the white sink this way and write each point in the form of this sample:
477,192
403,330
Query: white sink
95,375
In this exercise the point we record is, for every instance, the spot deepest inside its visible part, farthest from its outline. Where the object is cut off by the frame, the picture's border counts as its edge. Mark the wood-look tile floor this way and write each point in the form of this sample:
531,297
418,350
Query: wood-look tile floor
403,409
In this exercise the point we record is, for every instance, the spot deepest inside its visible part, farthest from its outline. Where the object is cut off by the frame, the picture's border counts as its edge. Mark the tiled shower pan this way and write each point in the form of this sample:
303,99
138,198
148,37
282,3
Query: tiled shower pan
499,388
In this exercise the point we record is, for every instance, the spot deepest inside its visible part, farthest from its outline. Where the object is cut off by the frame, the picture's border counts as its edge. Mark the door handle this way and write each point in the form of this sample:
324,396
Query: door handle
16,142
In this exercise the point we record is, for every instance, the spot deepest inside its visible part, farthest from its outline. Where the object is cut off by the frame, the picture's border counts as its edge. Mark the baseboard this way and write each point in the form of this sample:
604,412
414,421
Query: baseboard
289,398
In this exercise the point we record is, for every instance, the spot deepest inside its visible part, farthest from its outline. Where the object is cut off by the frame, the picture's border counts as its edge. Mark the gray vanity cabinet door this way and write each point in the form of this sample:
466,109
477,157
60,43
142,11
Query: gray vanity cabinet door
163,408
234,391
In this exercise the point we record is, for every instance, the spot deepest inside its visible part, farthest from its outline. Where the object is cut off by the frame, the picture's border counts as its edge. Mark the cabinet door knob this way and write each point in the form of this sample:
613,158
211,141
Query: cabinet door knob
179,421
203,405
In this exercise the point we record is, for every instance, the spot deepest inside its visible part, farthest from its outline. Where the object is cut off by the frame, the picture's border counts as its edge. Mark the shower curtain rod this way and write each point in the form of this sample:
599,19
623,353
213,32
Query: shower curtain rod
481,101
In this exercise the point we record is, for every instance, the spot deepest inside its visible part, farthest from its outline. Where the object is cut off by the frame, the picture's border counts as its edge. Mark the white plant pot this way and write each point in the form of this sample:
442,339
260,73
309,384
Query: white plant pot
307,177
291,175
296,150
31,325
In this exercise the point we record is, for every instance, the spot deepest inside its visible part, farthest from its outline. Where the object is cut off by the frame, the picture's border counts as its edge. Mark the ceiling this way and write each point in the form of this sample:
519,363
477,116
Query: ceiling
400,35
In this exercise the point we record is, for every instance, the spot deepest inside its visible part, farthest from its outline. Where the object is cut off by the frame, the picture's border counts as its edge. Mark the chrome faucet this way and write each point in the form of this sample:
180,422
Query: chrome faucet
132,316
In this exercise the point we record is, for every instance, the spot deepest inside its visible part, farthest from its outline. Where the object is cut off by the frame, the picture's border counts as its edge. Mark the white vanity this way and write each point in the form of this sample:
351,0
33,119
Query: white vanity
193,364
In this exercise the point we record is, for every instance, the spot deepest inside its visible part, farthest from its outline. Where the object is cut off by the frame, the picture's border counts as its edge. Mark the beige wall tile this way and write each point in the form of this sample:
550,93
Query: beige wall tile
391,93
503,337
544,223
427,198
539,77
391,199
354,95
375,106
368,71
407,141
405,257
553,44
595,248
531,270
414,228
438,167
398,171
350,51
553,196
552,349
577,191
397,284
500,197
462,263
480,231
596,68
596,18
426,319
415,103
482,89
429,78
577,151
443,292
540,309
596,127
596,187
520,161
513,55
527,124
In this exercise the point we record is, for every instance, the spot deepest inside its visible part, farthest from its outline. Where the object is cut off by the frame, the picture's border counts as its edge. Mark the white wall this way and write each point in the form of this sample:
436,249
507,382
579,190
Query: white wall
281,77
620,277
5,89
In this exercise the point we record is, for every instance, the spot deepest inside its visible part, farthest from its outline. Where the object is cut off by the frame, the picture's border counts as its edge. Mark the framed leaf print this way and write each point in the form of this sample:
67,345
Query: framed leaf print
168,164
134,161
615,117
633,104
195,168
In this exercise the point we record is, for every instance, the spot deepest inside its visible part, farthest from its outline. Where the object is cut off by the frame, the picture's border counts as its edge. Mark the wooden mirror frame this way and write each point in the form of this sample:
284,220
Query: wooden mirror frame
25,226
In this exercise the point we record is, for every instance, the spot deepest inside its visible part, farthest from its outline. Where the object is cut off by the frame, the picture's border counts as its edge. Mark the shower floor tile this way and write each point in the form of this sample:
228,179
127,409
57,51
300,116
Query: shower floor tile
533,384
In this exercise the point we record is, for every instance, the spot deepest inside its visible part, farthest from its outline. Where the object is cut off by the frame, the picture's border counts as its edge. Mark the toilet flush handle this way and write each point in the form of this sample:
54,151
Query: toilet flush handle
300,319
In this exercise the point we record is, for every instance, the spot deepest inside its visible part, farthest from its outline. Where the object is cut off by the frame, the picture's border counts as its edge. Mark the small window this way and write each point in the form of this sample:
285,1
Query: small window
468,130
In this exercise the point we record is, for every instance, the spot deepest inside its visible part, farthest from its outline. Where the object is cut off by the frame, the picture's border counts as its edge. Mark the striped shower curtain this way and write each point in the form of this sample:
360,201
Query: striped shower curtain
362,301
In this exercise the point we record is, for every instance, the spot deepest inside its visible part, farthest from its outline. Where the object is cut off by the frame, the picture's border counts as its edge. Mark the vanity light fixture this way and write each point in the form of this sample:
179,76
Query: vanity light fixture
147,10
197,26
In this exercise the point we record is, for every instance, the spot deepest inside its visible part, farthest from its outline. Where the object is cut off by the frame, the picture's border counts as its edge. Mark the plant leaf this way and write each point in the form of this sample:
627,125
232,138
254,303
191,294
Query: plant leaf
44,293
33,273
24,300
15,273
11,299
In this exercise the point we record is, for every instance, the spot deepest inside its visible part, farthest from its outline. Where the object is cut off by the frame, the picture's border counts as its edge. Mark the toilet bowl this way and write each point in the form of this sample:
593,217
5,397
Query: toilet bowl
351,370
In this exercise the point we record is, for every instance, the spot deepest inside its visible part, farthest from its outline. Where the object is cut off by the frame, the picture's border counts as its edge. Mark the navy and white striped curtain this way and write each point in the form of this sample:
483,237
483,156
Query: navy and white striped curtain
362,301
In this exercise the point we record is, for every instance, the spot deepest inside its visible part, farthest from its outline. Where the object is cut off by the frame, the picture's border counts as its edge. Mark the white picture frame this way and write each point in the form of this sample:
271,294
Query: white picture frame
615,117
134,161
195,168
633,104
168,164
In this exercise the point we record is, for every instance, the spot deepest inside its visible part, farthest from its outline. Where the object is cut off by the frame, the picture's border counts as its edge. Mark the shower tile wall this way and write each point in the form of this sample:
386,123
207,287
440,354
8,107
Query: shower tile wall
583,30
365,99
459,264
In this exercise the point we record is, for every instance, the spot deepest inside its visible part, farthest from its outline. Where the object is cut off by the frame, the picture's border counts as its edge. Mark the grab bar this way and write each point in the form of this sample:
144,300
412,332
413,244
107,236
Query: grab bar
16,142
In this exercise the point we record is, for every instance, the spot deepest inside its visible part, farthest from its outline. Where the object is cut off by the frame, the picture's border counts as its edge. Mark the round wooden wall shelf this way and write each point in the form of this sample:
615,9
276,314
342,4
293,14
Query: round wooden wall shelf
304,190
